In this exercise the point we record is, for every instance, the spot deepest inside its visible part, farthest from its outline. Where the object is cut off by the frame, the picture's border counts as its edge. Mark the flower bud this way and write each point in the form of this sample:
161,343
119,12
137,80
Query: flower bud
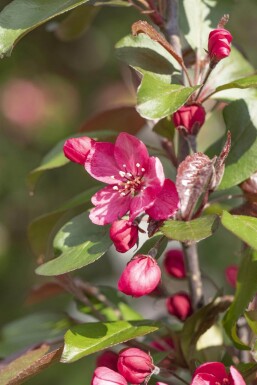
140,277
108,359
231,274
191,117
163,344
124,235
77,149
161,383
179,305
135,365
219,46
174,263
106,376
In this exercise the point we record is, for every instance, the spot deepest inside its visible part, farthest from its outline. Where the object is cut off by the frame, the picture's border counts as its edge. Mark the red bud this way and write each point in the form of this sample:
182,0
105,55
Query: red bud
219,46
191,117
77,149
179,305
231,274
174,263
124,235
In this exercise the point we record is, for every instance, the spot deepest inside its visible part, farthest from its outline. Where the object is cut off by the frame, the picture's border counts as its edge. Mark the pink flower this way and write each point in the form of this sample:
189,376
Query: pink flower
161,383
219,44
135,365
77,149
191,117
179,305
106,376
231,274
174,263
124,235
108,359
135,181
140,277
213,373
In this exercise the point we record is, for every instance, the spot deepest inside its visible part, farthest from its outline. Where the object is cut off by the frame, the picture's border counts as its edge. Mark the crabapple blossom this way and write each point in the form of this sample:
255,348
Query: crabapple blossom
179,305
191,117
106,376
135,365
108,359
140,277
174,263
77,149
124,235
214,373
219,44
231,274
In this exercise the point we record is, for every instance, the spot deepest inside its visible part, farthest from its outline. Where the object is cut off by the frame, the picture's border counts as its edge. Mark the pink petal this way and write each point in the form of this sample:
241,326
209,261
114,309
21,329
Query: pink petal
204,379
154,176
110,206
130,151
217,369
101,165
235,377
166,203
77,149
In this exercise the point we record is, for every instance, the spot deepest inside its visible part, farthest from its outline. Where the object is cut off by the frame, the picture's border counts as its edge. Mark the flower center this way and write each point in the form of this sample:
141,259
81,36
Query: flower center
130,184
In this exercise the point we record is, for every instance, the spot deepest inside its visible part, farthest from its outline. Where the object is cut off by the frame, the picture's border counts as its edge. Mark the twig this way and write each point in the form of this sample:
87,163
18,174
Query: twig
168,147
204,82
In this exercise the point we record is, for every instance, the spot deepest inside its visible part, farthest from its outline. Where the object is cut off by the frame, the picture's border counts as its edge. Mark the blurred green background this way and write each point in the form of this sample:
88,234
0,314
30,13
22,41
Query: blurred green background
48,88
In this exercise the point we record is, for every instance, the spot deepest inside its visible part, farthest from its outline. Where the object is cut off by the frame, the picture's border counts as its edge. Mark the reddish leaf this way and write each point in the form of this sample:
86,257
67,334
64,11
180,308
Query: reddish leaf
249,187
42,292
220,162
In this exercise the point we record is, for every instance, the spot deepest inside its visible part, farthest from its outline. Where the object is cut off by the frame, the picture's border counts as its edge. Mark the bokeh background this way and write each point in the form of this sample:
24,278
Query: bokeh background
48,88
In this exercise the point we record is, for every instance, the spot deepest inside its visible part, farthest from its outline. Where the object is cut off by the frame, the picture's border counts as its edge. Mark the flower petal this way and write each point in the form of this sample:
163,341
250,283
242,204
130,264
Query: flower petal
100,163
130,151
110,206
235,377
166,203
217,369
204,379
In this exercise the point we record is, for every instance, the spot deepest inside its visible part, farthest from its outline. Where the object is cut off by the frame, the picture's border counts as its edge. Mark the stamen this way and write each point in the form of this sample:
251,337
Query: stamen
115,188
124,166
137,164
143,169
112,176
129,174
123,194
122,173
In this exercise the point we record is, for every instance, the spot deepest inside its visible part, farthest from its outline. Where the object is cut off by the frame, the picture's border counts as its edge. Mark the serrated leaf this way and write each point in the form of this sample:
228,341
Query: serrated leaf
80,243
157,99
242,226
246,288
191,231
82,340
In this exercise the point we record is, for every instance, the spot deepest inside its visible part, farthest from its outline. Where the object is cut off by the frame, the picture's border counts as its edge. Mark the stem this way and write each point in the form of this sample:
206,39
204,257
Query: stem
154,250
165,371
194,275
169,149
183,148
204,82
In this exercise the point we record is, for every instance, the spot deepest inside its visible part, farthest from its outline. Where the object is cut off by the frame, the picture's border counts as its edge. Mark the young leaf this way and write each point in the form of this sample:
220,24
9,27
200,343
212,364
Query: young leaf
242,226
191,231
247,82
80,242
82,340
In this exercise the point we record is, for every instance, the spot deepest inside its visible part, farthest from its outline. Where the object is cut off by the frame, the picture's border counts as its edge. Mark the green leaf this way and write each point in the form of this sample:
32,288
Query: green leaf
246,288
43,228
112,313
82,340
191,231
151,242
241,120
80,242
22,16
143,53
251,318
242,226
165,127
157,99
247,82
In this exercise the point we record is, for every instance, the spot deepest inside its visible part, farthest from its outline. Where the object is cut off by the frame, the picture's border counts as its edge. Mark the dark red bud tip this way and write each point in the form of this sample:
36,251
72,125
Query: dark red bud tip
179,305
174,263
219,44
77,149
108,359
190,116
124,235
231,274
135,365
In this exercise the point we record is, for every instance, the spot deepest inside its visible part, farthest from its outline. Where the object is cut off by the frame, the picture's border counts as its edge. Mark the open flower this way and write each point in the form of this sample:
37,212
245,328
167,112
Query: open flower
106,376
214,373
135,181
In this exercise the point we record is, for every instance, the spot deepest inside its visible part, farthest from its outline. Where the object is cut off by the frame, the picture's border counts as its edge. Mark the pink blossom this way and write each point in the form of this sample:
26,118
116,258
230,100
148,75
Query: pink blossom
214,373
124,235
77,149
179,305
106,376
161,383
191,117
140,277
135,365
231,274
135,181
174,263
108,359
219,44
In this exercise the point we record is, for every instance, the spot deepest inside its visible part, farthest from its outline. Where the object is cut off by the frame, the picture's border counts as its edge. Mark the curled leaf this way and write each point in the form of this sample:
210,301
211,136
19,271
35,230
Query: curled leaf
220,163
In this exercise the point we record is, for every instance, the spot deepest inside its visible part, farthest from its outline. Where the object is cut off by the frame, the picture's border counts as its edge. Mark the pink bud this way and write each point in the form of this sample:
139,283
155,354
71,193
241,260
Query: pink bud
179,305
140,277
106,376
135,365
161,383
219,45
190,116
174,263
163,344
231,274
124,235
108,359
77,149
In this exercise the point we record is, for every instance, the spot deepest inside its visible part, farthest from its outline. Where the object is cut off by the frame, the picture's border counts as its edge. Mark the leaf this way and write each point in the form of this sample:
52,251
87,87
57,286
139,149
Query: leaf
116,3
193,177
22,16
246,288
150,243
116,299
143,53
242,226
247,82
165,128
241,120
251,318
80,242
43,228
28,365
157,99
191,231
82,340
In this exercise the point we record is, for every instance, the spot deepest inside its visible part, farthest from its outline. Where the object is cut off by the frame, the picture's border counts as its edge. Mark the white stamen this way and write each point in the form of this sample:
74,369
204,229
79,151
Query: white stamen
143,169
122,173
129,174
115,188
137,164
113,177
124,166
123,194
